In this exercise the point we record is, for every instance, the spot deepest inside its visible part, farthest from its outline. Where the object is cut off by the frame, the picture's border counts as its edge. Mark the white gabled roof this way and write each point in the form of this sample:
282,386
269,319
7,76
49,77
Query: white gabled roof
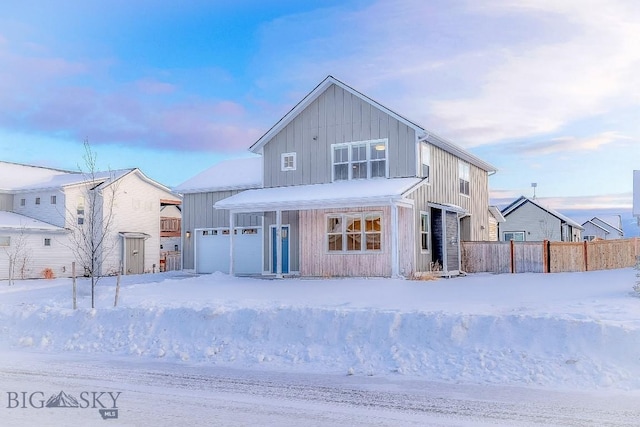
422,133
16,222
234,174
365,192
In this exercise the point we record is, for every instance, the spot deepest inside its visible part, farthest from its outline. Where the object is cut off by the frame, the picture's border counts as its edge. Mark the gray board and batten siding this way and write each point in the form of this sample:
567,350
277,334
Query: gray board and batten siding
336,116
198,212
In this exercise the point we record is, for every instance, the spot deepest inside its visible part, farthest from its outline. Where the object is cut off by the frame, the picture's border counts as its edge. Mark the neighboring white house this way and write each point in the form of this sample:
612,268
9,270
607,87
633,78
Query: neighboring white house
529,220
599,228
43,209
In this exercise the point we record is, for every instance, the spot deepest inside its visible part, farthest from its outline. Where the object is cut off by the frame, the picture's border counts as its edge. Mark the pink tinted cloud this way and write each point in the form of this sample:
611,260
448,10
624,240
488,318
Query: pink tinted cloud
154,87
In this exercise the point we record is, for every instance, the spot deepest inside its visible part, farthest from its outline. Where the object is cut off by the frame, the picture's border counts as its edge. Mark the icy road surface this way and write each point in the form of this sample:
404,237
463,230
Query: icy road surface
165,394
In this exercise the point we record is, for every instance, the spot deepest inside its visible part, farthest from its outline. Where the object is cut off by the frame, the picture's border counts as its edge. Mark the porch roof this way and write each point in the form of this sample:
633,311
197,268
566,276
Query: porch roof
340,194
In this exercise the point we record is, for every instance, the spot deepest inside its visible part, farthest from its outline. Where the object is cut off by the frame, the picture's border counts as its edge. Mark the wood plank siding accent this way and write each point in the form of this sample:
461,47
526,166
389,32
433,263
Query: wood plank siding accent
408,233
443,188
316,261
336,116
198,212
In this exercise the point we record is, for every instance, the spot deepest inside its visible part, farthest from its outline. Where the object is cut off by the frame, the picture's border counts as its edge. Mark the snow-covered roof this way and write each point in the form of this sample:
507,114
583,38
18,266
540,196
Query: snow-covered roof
14,221
233,174
70,179
14,175
610,223
318,196
522,200
495,212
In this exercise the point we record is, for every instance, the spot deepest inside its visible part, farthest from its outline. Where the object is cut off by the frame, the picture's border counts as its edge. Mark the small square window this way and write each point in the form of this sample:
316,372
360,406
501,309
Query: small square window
54,200
23,202
80,220
47,242
37,200
288,161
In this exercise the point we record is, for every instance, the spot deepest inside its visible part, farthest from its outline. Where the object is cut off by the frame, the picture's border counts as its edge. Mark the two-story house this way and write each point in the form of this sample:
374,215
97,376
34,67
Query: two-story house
43,212
347,187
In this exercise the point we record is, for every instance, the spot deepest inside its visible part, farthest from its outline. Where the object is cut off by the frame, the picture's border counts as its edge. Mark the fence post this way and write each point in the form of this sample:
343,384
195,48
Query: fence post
513,258
586,257
547,261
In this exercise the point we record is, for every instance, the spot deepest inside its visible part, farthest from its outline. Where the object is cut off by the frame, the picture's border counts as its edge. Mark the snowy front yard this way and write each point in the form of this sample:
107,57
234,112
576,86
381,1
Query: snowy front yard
561,331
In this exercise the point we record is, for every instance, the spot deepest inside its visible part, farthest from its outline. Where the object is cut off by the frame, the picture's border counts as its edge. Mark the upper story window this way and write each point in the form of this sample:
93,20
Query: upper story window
288,162
23,202
47,241
424,231
425,159
5,241
465,176
54,200
80,210
37,200
359,160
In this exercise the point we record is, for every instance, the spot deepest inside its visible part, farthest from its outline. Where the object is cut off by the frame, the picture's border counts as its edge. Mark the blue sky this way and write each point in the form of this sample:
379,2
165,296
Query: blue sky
546,90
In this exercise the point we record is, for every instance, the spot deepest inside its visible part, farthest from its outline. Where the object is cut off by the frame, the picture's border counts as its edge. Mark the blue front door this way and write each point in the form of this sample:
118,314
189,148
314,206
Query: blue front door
285,249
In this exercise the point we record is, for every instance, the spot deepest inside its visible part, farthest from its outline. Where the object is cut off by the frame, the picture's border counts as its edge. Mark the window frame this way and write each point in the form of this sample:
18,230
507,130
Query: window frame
371,161
425,161
464,178
47,242
37,200
23,202
352,233
514,233
54,199
5,241
283,162
425,233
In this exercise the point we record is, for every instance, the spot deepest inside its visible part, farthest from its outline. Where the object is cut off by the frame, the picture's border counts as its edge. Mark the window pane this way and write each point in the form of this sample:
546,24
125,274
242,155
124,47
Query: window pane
341,154
378,151
425,241
354,241
373,241
358,153
373,222
335,242
378,169
341,172
5,241
359,170
424,223
334,225
354,223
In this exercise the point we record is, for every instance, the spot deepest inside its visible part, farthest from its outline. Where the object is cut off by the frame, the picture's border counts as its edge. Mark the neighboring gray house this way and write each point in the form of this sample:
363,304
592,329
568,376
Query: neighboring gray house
342,186
603,228
528,220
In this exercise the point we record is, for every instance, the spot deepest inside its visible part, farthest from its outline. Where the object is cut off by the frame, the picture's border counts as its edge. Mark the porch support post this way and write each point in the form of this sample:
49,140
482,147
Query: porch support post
232,227
279,244
395,262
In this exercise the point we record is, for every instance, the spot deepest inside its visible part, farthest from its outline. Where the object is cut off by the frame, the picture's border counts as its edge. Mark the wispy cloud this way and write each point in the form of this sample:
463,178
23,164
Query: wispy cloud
621,201
573,144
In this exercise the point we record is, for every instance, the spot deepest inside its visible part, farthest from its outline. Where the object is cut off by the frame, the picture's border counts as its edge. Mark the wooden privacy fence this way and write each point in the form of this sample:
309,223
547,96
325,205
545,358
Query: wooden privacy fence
548,257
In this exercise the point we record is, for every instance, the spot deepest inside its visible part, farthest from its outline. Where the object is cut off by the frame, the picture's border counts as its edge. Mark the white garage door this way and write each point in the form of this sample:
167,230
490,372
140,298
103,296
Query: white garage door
212,250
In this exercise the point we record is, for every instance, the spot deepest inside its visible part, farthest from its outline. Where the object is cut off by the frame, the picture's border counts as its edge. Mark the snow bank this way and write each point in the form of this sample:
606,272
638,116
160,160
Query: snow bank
518,338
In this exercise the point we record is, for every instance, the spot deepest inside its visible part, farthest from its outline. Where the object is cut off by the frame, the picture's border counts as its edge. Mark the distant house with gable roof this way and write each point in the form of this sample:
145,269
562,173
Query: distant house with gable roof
529,220
601,228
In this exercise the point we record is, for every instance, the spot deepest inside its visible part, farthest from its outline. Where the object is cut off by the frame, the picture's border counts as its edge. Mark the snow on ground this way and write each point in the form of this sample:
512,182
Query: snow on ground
561,331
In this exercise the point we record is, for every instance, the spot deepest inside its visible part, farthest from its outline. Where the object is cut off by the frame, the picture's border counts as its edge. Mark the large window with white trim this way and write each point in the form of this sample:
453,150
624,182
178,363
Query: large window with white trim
354,232
359,160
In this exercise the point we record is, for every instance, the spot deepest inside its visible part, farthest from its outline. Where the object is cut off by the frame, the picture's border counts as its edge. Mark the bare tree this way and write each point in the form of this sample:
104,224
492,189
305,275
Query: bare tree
18,255
91,238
